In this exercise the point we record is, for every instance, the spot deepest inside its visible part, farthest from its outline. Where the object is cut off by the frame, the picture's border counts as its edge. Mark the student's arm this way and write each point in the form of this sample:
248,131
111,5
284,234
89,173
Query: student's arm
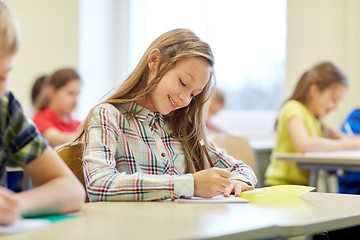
57,189
304,143
334,134
56,137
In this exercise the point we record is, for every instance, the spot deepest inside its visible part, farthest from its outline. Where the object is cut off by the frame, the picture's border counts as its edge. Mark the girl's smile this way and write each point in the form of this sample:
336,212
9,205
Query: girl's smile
172,103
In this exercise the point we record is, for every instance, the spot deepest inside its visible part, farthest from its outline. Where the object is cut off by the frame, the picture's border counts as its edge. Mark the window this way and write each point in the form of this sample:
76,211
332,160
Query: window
248,39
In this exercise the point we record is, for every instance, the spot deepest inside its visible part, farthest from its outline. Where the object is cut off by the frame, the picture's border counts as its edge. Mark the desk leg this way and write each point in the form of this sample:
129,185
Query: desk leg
326,181
313,177
262,159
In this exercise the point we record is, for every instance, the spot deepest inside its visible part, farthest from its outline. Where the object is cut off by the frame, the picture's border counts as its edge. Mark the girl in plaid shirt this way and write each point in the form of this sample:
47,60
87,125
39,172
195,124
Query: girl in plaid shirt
142,143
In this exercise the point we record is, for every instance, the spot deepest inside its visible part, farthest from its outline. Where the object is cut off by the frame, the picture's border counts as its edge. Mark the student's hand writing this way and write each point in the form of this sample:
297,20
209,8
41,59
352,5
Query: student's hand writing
9,207
237,187
211,182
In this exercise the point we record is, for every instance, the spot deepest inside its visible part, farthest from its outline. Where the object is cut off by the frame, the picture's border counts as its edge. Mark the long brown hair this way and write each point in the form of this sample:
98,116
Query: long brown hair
186,124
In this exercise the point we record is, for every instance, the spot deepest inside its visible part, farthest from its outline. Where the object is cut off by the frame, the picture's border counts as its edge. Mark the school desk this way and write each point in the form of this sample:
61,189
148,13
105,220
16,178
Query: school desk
328,161
313,212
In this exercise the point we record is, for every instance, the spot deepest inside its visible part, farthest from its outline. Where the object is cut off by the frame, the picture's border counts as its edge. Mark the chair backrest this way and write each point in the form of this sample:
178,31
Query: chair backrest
238,147
72,155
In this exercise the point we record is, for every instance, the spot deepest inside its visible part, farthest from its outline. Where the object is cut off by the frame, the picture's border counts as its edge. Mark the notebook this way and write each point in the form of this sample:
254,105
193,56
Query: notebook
216,199
23,225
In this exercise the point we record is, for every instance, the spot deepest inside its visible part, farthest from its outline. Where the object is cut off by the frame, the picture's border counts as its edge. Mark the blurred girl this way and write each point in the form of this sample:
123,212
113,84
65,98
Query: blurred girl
55,120
299,127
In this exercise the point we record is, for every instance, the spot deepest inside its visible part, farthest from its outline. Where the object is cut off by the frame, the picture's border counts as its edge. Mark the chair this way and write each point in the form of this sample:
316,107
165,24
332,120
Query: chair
238,147
72,155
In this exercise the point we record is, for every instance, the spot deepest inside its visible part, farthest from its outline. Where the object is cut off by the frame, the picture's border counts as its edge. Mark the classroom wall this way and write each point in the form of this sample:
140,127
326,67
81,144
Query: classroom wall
316,30
325,30
49,39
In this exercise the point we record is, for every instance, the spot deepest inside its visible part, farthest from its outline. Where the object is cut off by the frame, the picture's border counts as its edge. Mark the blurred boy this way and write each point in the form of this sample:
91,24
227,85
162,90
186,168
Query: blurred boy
21,145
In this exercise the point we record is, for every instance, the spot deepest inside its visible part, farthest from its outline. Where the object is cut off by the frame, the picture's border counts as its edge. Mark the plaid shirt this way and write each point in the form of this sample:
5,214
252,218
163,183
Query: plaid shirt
20,141
131,157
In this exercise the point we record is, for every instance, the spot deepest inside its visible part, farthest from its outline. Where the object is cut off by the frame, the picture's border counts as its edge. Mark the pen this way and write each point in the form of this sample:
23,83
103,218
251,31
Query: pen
232,168
348,129
206,152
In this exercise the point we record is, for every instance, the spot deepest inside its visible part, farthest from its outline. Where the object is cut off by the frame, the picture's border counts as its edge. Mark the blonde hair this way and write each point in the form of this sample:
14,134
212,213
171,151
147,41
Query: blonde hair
186,124
9,39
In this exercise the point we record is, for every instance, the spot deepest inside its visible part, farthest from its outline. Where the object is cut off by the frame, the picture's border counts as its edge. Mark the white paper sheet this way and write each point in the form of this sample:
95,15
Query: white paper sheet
23,225
216,199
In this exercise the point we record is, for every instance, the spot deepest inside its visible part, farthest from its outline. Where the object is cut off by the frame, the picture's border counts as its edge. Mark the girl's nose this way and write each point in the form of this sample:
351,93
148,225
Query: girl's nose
185,98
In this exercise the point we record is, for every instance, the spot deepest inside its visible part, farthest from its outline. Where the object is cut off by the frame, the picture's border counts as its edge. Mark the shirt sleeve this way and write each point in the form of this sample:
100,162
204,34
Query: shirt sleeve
23,141
108,148
292,109
241,170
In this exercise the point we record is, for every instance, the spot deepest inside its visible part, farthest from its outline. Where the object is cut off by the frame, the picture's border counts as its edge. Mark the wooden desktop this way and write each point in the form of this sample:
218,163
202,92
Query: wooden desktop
312,213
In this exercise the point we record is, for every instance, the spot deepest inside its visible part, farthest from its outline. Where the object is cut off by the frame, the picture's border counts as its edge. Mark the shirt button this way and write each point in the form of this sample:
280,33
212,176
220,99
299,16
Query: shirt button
163,154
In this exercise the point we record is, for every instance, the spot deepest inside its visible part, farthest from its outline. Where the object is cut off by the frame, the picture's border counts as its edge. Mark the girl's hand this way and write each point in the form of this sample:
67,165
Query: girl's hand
236,187
211,182
9,207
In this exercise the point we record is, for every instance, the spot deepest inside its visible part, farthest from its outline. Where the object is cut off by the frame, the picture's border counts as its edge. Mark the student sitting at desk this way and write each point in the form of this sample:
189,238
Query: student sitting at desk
349,182
21,145
143,142
54,119
299,127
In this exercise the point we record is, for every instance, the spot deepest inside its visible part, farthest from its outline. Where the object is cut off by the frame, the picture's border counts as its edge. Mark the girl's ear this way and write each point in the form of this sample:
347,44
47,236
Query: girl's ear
154,59
50,90
313,89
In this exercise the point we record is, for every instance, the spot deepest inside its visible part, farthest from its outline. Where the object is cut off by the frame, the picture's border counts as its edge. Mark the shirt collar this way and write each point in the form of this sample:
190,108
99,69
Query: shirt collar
143,114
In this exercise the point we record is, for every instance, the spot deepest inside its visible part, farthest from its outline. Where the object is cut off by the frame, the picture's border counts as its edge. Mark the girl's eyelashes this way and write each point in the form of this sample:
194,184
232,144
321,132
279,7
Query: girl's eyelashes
182,83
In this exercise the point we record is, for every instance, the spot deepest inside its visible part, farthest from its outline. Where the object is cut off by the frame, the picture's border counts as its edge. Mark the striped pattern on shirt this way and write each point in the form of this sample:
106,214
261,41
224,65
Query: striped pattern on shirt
131,157
20,141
